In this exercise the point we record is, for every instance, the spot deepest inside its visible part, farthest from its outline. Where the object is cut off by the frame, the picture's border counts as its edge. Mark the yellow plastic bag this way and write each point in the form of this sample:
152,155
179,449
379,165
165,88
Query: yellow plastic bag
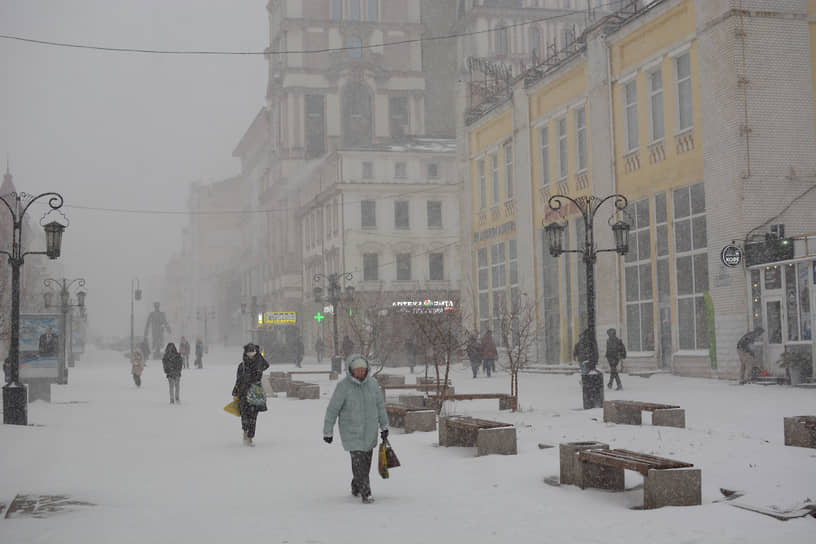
382,462
232,407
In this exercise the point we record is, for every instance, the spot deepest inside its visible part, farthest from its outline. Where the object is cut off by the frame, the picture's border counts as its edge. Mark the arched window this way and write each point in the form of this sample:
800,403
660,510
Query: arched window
357,119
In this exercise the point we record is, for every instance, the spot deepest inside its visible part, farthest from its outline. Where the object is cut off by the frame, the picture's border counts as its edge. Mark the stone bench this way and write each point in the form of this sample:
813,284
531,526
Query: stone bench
279,381
506,402
411,418
629,412
330,373
389,379
800,431
303,390
666,482
489,437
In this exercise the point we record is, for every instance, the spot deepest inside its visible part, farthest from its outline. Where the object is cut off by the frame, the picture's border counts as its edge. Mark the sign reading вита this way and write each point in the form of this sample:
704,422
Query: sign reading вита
426,306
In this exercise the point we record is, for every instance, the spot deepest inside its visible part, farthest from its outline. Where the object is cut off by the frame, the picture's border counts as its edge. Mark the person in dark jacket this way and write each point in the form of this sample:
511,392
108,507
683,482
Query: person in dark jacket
358,407
615,352
184,349
199,353
586,351
320,349
172,369
474,353
489,353
250,371
746,355
299,350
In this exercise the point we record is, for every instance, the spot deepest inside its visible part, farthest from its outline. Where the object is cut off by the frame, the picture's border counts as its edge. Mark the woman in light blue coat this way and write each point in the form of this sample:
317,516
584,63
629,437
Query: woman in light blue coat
358,406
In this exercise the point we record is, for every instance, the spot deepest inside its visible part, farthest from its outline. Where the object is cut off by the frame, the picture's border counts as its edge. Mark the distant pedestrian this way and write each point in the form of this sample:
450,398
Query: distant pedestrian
615,353
489,353
299,350
250,372
474,353
357,402
746,354
348,346
172,369
410,352
137,366
320,349
184,350
199,353
586,351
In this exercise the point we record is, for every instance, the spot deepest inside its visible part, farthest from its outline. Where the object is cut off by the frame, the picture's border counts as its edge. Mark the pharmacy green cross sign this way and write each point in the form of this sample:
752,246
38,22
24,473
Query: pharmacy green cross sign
319,317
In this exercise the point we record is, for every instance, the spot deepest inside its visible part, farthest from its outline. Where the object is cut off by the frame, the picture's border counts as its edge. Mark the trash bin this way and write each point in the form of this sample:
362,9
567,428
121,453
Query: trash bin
337,364
592,385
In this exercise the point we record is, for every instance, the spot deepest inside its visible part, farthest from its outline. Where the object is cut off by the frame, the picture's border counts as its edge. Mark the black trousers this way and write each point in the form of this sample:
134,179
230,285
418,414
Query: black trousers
249,416
360,469
613,373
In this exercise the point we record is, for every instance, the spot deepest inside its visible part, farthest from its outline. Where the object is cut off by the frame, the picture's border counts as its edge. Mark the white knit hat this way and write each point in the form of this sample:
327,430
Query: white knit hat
357,362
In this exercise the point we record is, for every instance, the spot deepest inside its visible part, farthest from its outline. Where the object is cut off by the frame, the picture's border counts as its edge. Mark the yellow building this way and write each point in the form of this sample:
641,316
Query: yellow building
656,105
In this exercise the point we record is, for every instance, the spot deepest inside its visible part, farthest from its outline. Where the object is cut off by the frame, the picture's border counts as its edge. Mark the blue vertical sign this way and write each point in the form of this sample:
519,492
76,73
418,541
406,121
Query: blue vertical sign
39,346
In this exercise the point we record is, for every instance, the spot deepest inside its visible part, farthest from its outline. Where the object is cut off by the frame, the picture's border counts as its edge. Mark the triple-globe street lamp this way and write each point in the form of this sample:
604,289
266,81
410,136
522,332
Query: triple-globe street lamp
588,207
335,294
15,402
63,288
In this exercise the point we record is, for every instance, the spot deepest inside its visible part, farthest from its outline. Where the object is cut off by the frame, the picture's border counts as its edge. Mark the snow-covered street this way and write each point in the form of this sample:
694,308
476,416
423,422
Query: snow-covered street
159,473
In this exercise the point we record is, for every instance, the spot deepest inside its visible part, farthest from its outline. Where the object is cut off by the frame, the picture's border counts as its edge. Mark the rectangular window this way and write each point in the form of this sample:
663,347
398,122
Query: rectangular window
630,116
401,218
434,214
494,176
398,116
682,78
508,170
498,270
638,282
400,170
436,262
354,10
336,9
512,259
433,171
315,125
691,263
403,266
544,154
580,139
480,168
656,126
370,267
562,148
368,170
484,289
371,11
368,213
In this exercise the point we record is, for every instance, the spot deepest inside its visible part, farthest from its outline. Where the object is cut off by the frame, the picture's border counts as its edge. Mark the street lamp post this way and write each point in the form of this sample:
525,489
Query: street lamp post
15,403
63,287
588,206
334,295
134,295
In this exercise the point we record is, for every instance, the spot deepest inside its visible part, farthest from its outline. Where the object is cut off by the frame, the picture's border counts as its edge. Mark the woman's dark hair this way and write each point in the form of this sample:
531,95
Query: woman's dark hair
251,347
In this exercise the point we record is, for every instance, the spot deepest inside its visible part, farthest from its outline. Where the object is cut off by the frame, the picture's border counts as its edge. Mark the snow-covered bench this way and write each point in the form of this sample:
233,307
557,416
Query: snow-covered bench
488,436
629,412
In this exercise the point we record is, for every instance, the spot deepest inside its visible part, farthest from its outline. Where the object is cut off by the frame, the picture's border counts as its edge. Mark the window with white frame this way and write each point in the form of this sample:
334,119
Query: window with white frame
434,214
403,266
544,154
638,281
354,10
368,170
630,115
433,171
372,13
370,267
691,263
502,40
480,168
400,170
368,213
656,125
682,79
401,216
494,176
562,148
498,283
580,139
508,170
337,9
512,265
484,288
436,264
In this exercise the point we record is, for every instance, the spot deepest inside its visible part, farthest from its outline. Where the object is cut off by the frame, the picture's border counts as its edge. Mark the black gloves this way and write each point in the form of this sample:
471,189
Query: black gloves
384,434
328,439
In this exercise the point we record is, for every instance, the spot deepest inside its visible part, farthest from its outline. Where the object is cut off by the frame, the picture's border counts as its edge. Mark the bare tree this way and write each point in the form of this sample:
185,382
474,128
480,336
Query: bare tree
518,335
379,337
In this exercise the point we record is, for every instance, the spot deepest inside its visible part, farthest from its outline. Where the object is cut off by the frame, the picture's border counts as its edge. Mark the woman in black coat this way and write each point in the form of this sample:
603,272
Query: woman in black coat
172,363
250,371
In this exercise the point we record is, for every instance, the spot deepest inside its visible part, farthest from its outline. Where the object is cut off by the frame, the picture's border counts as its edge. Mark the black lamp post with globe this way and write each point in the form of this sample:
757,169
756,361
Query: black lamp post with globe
15,402
335,294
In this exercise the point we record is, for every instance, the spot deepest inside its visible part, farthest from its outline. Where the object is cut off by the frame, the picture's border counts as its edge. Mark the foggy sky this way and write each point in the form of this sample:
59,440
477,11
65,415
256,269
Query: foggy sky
125,130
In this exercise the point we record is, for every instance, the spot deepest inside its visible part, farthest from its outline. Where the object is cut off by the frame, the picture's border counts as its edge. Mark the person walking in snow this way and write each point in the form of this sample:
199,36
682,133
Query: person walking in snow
358,407
615,353
137,366
172,369
184,350
199,353
474,353
250,371
586,351
489,353
320,348
746,355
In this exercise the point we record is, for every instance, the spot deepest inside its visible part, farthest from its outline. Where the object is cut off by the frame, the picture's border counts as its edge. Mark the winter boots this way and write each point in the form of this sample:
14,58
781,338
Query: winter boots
247,440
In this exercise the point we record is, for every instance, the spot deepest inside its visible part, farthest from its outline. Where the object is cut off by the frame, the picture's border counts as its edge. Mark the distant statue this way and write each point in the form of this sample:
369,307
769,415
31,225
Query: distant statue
157,323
